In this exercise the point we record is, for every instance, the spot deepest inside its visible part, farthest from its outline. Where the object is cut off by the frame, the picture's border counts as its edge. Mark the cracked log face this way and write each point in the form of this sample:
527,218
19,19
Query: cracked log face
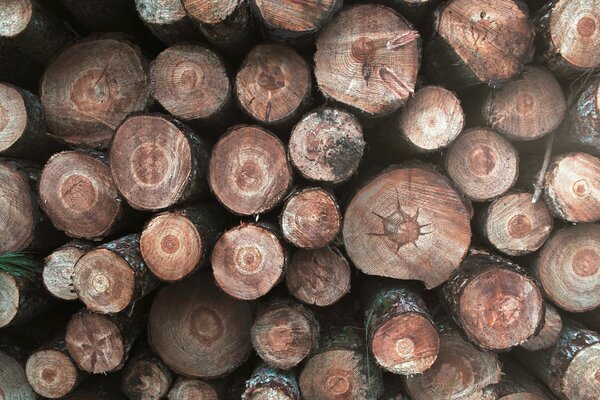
51,373
408,223
368,58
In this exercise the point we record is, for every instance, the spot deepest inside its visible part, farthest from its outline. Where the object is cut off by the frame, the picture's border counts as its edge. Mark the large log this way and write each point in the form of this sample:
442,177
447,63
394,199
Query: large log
494,301
91,87
567,268
13,382
398,226
188,388
167,20
479,42
59,267
549,333
267,383
21,298
368,58
156,162
145,377
582,122
197,330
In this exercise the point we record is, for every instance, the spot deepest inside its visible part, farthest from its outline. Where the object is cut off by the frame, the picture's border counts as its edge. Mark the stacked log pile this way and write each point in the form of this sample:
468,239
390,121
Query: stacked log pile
287,200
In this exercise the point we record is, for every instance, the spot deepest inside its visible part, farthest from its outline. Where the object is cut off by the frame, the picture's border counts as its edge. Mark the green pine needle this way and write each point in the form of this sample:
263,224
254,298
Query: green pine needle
20,264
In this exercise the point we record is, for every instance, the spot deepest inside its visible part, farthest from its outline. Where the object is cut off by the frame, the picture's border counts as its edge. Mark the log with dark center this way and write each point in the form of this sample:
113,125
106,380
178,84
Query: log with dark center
145,377
197,330
582,121
59,267
157,162
408,223
13,382
189,388
22,299
91,87
267,383
167,20
248,261
483,164
549,333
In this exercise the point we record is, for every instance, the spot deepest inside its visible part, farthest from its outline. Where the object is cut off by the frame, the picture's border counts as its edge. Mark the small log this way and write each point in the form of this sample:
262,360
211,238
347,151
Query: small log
582,122
21,299
226,24
91,87
22,126
326,145
572,187
414,234
176,243
291,20
13,382
37,32
113,276
187,388
567,268
570,367
249,172
157,162
318,277
167,20
51,372
145,377
197,330
101,343
192,83
402,336
461,371
567,36
483,164
59,269
479,42
549,333
284,333
517,383
494,301
248,261
273,85
379,44
515,225
78,195
339,368
267,383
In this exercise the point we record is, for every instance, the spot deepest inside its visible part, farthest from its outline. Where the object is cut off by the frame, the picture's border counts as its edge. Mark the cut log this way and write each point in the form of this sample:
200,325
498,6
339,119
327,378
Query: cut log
21,299
549,333
431,120
273,85
22,126
157,162
192,84
402,336
516,384
267,383
248,261
226,24
145,377
570,368
59,268
527,108
572,187
197,330
461,371
176,243
13,382
327,145
91,87
310,218
368,58
318,277
479,42
567,268
582,122
483,164
101,343
494,301
78,195
249,171
167,20
284,333
515,225
187,388
51,372
33,29
408,223
113,276
340,369
291,20
568,36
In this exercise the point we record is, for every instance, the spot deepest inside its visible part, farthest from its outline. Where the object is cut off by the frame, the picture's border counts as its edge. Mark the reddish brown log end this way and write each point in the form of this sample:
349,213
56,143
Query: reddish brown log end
146,379
550,332
17,209
51,373
249,172
192,389
13,116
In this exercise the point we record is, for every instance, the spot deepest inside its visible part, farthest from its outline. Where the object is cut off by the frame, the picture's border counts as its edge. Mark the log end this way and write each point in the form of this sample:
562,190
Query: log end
13,114
10,298
51,373
58,272
16,209
185,389
145,379
582,377
15,16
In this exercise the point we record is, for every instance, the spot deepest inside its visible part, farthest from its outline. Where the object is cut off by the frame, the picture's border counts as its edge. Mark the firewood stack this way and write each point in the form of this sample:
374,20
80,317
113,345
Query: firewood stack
286,200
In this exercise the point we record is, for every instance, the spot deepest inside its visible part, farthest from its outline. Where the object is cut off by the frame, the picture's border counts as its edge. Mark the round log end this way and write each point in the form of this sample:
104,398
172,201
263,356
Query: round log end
160,12
16,210
186,389
145,379
13,113
550,332
582,377
295,18
9,298
51,373
15,16
59,268
211,11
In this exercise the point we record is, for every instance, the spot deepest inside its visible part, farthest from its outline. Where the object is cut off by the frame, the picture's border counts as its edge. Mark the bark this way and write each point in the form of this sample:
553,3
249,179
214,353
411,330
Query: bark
167,20
398,213
13,383
22,299
493,301
516,383
59,268
581,126
267,383
157,162
99,387
188,388
113,276
145,377
249,172
549,333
